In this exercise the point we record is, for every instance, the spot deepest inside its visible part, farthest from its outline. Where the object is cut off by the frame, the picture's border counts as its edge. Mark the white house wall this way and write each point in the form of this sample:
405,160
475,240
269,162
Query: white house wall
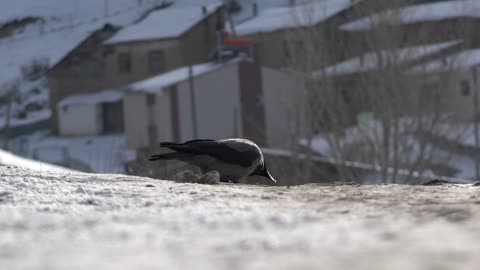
80,120
217,97
136,120
283,107
462,106
184,111
163,118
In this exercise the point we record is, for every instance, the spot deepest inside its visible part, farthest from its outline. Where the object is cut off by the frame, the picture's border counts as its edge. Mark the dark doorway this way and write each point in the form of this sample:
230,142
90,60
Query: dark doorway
112,114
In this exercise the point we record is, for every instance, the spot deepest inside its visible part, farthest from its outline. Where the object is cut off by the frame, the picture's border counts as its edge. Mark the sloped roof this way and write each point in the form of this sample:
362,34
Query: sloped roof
160,82
462,60
94,98
418,13
312,13
370,61
164,23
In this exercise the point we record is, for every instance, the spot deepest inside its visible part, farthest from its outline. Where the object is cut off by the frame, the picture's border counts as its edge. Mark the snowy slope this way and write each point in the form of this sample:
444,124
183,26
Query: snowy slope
462,60
63,9
59,34
311,13
102,154
9,159
436,11
86,221
65,24
370,61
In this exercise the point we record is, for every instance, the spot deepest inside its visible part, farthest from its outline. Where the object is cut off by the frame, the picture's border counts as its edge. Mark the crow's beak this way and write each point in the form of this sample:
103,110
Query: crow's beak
269,176
264,172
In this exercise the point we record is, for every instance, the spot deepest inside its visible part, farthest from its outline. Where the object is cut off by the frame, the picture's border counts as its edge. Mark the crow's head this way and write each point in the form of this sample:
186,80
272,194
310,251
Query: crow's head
262,170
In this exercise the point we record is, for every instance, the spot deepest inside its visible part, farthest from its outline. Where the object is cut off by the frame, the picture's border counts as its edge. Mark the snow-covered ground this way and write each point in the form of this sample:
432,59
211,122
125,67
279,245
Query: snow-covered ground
89,221
9,159
102,154
363,135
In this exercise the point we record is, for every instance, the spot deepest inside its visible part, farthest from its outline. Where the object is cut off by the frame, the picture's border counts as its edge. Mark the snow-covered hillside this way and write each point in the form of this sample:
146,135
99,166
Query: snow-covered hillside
88,221
60,26
57,27
9,159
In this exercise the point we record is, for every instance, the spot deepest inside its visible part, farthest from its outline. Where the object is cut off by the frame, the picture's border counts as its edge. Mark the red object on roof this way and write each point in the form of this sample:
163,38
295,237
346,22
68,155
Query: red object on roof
235,41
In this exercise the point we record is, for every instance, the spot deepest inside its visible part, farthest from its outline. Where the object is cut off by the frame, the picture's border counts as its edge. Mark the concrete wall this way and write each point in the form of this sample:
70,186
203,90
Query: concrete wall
139,53
80,120
217,109
283,107
455,101
200,42
270,48
163,117
136,120
217,97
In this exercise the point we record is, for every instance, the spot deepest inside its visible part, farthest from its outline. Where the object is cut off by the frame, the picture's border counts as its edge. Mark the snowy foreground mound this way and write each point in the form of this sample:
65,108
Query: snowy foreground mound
88,221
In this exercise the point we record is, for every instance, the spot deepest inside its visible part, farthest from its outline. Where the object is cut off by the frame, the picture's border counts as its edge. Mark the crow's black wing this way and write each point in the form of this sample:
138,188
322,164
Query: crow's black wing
216,149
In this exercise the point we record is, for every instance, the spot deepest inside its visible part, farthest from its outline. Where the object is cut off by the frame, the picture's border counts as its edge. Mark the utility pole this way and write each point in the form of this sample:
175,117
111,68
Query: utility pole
106,9
6,132
230,21
475,121
193,103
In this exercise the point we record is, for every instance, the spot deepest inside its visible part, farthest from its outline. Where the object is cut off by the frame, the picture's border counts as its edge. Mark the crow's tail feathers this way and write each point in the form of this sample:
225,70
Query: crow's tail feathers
168,156
167,144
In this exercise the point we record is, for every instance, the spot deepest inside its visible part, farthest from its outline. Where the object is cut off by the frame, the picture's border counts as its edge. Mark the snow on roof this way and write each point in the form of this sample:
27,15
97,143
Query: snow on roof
370,61
95,98
59,35
417,13
462,60
278,18
9,159
164,23
159,82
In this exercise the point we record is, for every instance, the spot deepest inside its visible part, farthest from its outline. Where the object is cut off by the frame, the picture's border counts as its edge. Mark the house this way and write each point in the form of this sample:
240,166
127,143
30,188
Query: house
420,23
110,58
164,40
457,78
92,114
272,28
355,80
82,70
238,98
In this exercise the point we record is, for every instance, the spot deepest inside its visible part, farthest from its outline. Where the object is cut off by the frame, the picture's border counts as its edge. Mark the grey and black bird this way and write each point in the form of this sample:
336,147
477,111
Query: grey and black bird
232,158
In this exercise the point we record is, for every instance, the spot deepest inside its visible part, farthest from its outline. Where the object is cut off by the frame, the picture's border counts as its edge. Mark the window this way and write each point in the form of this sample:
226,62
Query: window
465,88
345,96
156,61
112,114
124,62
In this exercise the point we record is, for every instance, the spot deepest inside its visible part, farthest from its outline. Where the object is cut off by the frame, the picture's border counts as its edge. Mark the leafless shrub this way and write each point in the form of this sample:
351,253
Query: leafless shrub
373,111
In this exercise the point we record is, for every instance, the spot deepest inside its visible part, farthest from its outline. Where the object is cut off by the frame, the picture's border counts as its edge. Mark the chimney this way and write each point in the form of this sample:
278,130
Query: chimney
255,9
204,10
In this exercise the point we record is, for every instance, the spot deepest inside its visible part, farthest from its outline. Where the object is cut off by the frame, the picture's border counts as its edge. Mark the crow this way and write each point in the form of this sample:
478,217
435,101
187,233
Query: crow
232,158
